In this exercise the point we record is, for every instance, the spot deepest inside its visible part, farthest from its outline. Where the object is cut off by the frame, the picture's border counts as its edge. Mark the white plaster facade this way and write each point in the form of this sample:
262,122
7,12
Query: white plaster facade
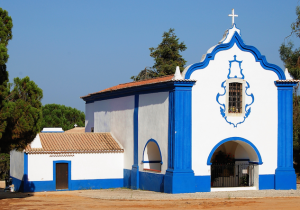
83,166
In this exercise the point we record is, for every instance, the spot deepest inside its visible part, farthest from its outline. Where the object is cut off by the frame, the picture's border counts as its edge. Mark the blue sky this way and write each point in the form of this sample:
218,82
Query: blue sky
70,48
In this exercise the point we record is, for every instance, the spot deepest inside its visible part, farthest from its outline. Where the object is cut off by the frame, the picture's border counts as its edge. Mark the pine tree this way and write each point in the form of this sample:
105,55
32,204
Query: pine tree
56,115
166,57
20,102
291,59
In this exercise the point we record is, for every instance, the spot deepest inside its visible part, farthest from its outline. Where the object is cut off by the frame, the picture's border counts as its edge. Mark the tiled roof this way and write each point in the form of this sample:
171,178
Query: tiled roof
288,81
76,130
134,84
53,143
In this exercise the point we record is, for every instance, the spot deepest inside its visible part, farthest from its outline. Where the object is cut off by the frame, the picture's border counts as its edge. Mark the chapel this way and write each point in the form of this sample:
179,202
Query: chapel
224,123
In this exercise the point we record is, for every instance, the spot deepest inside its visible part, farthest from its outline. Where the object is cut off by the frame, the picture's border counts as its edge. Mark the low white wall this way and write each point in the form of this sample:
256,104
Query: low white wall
153,124
17,164
83,166
116,116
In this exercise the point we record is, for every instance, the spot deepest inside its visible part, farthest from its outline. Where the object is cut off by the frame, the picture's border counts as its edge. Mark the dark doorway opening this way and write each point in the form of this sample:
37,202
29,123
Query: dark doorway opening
61,176
232,175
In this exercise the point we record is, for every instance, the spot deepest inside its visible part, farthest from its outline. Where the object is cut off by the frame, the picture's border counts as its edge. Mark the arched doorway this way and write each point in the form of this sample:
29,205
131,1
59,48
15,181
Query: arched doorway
234,163
152,158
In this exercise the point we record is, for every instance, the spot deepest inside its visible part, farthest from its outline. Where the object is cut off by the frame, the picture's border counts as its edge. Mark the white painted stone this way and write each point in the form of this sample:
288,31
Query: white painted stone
36,143
116,116
52,130
153,124
177,75
83,166
17,164
209,127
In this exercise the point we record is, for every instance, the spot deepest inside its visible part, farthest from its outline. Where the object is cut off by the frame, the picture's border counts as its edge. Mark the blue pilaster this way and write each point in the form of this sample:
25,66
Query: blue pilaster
285,177
179,176
135,166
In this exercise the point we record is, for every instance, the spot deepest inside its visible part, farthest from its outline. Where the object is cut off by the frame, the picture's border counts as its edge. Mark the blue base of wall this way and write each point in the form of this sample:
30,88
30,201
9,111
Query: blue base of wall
266,182
134,176
38,186
179,182
285,179
202,184
152,181
18,184
127,178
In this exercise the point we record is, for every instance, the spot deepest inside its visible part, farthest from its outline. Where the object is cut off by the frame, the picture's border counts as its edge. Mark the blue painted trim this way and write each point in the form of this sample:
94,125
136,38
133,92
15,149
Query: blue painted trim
234,139
151,181
241,70
135,178
127,178
25,176
285,177
86,184
223,106
236,39
160,161
136,129
144,89
69,172
179,177
229,30
202,184
152,161
266,182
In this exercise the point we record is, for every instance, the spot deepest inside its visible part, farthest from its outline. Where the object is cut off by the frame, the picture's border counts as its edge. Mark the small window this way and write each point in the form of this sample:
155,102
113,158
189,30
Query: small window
92,129
235,98
235,94
152,157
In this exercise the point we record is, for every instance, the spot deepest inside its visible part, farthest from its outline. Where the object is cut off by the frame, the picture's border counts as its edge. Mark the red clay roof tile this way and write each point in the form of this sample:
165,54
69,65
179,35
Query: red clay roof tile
76,143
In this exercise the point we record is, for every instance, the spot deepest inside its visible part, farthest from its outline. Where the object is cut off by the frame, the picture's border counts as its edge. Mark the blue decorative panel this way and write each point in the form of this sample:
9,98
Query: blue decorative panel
223,106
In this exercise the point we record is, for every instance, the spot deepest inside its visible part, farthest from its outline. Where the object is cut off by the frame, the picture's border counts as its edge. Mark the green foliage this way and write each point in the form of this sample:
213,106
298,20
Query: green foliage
5,35
20,102
166,57
291,58
4,165
20,114
56,115
147,73
296,132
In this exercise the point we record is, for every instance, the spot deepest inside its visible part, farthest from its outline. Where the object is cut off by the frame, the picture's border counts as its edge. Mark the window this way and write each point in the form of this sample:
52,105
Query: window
235,94
235,99
152,157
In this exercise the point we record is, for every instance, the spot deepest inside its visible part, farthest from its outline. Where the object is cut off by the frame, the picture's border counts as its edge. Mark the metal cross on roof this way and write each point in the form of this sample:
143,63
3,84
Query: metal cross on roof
232,15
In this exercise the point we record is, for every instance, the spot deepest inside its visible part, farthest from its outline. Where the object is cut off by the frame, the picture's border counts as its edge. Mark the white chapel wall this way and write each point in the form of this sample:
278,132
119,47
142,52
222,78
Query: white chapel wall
116,116
89,117
209,127
153,124
83,166
17,164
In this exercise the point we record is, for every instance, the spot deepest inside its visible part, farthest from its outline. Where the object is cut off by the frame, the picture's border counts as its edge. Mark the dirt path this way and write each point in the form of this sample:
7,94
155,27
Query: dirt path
79,202
90,199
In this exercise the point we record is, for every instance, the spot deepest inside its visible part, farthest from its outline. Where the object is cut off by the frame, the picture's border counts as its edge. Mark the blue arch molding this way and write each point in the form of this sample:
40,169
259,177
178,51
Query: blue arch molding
236,39
234,139
152,140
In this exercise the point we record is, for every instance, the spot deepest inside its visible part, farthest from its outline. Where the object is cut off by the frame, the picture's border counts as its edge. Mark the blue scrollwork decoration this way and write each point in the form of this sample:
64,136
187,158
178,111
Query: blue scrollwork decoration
230,66
247,86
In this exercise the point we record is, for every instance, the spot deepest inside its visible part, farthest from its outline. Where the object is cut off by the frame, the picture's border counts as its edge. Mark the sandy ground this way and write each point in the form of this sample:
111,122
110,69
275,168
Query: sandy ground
139,199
